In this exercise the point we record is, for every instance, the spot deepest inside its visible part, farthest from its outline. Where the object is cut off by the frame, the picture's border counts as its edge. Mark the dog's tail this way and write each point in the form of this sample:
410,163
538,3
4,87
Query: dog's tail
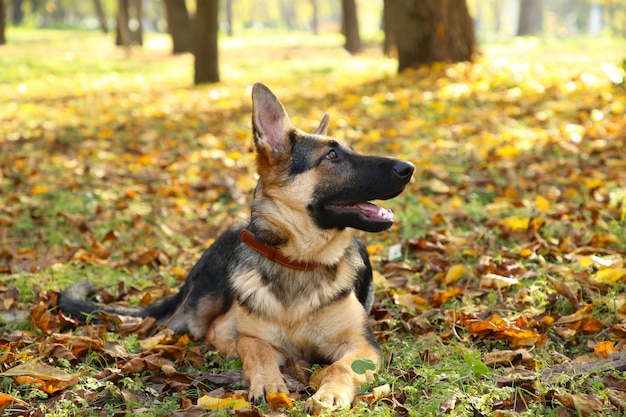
75,301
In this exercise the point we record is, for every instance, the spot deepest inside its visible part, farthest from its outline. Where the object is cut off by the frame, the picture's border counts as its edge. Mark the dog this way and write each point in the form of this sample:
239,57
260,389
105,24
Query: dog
295,281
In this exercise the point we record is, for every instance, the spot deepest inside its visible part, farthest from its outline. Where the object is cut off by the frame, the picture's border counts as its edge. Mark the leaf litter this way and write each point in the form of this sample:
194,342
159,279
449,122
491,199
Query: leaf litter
511,234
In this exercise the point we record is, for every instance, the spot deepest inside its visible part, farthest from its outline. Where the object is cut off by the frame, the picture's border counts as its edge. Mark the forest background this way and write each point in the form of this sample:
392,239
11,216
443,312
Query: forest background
500,290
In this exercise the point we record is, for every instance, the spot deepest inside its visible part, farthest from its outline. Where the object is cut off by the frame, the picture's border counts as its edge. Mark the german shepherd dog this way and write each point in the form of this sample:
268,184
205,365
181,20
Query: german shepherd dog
295,281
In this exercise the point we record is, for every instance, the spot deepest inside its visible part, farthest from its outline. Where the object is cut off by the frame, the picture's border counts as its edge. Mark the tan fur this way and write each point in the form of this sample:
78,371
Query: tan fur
286,211
335,332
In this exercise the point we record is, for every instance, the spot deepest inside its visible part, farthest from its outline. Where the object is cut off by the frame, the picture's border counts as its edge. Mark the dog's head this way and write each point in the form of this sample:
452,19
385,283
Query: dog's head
320,175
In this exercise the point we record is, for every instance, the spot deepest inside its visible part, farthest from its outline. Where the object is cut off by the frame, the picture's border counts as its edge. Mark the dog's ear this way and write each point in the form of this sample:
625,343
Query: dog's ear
270,124
322,129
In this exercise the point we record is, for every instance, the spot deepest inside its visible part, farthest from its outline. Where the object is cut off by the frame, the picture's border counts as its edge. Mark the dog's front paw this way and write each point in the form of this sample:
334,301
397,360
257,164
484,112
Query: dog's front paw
328,399
258,391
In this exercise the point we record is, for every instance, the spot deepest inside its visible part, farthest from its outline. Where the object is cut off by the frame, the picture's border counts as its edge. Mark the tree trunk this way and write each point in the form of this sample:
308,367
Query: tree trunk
288,11
429,31
229,17
129,23
136,21
390,44
102,20
122,35
497,11
350,26
3,21
314,17
206,68
178,25
17,14
530,18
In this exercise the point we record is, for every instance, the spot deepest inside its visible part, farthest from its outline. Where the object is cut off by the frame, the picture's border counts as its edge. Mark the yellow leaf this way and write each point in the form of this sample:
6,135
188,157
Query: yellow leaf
246,183
379,280
585,261
278,400
406,299
456,202
213,403
507,151
438,186
525,253
516,224
609,275
374,249
427,202
106,133
145,160
454,273
39,189
235,155
542,203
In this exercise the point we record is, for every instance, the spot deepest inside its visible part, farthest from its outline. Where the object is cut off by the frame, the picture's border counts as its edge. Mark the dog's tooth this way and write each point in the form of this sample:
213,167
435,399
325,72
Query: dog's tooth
385,213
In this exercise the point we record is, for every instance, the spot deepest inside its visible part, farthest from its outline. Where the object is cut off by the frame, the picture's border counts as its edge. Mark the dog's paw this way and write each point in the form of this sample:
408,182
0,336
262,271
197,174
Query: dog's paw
328,400
257,392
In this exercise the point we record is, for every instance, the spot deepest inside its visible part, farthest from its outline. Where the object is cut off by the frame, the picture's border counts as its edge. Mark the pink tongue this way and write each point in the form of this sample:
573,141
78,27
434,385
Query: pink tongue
372,210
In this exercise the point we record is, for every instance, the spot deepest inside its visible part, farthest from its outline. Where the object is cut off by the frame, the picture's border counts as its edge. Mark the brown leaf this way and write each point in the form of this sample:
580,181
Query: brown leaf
516,376
562,288
6,400
510,358
440,298
45,377
58,351
591,325
585,404
583,313
617,398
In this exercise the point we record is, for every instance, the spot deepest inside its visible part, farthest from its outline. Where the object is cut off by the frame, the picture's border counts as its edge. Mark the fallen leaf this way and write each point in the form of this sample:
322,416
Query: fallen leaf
454,273
496,281
585,404
278,401
604,349
47,378
223,403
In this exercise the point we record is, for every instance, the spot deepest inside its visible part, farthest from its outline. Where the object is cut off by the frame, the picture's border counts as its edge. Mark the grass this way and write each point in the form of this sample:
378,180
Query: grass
115,169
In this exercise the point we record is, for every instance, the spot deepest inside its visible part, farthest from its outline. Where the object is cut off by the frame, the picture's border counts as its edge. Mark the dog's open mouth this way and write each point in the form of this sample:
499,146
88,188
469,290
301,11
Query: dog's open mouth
370,211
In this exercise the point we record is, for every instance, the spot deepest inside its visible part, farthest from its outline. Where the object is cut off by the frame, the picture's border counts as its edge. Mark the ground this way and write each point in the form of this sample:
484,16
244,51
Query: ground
500,290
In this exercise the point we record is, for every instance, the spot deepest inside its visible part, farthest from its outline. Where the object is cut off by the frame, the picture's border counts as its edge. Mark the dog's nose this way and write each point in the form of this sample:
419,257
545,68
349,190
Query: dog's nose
403,169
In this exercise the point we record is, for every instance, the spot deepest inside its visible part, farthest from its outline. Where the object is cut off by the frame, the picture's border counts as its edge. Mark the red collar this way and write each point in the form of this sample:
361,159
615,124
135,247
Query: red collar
272,252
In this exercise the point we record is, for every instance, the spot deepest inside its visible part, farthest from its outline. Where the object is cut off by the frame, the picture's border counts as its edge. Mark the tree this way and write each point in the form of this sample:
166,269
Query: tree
350,26
178,24
129,23
428,31
3,21
102,20
530,18
390,34
228,11
288,12
314,17
206,68
17,12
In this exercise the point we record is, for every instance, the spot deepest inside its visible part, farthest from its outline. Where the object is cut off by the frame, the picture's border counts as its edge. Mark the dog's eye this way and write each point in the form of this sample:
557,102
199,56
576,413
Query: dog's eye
332,155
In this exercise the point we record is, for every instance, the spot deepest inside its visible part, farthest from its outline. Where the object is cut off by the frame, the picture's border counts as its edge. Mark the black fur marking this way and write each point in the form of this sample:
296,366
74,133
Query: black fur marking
302,147
387,177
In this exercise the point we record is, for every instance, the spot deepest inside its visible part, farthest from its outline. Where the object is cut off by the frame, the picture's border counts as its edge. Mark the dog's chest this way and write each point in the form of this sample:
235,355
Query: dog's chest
288,295
317,337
